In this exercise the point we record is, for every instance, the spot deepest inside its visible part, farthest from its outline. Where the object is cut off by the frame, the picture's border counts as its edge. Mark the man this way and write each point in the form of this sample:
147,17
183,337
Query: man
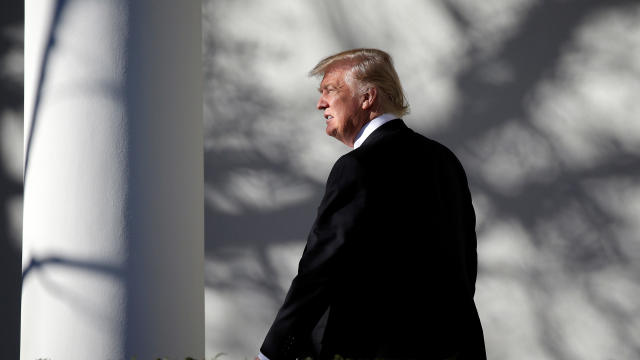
392,253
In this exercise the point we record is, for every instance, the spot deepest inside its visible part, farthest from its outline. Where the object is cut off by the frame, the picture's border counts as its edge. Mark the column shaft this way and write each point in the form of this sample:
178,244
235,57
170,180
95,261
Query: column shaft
113,204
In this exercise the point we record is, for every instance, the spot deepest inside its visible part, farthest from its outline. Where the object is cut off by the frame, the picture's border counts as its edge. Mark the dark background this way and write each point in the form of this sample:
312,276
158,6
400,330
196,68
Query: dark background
11,96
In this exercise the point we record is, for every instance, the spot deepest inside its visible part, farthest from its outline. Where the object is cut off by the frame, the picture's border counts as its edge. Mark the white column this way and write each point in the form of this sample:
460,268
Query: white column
113,204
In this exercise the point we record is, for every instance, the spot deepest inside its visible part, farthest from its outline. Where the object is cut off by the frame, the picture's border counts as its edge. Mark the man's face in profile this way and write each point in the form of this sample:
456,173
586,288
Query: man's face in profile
340,105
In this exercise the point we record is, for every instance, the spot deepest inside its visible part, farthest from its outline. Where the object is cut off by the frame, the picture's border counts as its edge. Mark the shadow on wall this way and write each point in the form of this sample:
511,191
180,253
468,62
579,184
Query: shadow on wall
11,48
545,150
257,200
544,120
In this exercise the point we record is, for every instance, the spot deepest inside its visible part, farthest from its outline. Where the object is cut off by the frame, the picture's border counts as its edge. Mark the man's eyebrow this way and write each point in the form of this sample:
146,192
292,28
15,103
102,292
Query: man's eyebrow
327,86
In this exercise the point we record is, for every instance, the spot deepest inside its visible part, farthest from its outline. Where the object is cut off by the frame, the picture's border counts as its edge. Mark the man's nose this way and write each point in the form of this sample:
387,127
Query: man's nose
322,104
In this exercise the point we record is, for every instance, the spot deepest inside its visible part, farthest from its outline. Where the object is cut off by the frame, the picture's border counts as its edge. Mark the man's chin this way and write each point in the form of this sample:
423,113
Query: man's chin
339,138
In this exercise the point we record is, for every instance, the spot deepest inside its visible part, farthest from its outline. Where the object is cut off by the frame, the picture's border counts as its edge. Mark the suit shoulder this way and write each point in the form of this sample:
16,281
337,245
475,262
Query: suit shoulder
348,160
347,166
441,151
433,145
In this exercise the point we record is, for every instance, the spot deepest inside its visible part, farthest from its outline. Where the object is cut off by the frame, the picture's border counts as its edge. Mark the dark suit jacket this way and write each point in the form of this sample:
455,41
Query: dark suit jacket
392,255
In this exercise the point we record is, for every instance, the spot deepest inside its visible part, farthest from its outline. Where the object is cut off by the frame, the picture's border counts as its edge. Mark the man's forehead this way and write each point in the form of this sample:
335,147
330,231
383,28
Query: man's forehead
333,76
329,81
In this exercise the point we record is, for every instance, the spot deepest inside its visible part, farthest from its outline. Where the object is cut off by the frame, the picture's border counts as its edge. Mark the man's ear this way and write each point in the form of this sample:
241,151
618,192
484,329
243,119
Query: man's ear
369,98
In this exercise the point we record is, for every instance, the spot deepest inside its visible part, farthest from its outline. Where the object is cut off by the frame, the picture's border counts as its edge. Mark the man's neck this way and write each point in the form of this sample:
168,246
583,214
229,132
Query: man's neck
372,115
371,126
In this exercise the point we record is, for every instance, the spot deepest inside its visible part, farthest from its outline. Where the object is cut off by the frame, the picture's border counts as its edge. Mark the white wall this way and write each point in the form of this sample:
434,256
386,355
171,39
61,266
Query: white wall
538,100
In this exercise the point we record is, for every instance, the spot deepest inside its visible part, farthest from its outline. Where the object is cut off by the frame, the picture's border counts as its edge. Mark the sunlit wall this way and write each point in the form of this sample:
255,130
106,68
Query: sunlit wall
539,101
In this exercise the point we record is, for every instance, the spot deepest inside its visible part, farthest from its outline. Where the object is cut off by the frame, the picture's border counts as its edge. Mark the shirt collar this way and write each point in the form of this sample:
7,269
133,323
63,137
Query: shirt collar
369,127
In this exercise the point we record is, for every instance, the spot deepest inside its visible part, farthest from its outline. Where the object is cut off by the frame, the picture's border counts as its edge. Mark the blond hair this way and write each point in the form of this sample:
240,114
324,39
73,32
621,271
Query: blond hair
370,67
